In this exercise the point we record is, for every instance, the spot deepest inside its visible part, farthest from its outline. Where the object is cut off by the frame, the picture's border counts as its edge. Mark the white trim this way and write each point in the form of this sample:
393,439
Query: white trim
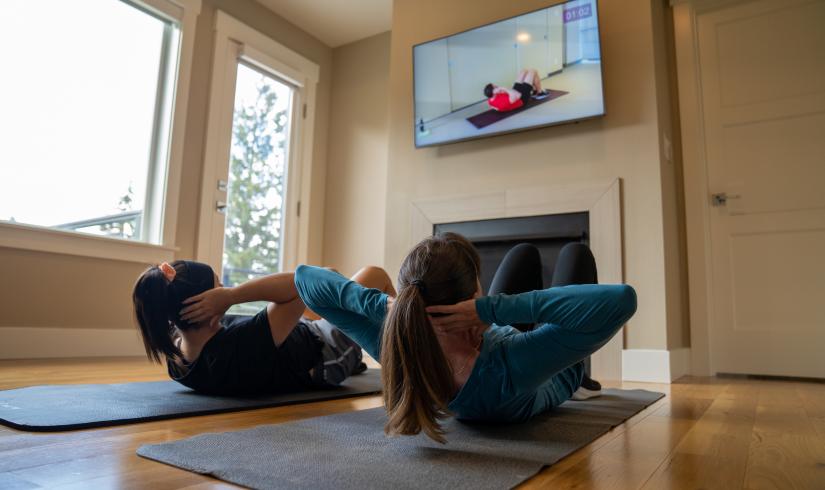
680,361
601,198
51,343
271,65
234,40
697,202
236,30
191,10
30,237
655,365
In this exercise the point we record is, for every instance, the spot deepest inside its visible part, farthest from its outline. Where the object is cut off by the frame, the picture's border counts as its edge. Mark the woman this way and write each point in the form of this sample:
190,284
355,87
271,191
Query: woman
445,349
528,83
180,309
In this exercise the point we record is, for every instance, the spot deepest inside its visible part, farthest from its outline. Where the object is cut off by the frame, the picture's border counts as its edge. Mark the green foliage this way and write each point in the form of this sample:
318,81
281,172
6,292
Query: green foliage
126,200
127,229
252,244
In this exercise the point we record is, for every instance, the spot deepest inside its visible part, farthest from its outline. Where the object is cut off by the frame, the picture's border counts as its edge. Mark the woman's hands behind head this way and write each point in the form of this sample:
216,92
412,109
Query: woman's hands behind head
207,305
460,316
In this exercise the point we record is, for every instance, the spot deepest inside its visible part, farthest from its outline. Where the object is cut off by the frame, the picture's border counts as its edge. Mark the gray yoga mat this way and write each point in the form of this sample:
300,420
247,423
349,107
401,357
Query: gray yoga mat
350,450
66,407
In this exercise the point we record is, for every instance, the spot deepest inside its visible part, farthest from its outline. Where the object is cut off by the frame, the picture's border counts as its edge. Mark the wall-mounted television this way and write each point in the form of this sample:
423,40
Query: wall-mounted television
536,69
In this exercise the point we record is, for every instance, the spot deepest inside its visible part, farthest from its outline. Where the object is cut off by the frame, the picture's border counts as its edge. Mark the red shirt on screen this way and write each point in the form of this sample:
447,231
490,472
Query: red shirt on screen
501,102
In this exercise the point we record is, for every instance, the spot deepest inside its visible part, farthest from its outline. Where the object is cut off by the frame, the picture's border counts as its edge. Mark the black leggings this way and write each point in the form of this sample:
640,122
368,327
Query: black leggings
520,272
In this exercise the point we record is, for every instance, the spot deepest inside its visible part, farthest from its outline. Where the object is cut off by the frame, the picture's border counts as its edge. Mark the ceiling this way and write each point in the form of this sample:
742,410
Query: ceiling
336,22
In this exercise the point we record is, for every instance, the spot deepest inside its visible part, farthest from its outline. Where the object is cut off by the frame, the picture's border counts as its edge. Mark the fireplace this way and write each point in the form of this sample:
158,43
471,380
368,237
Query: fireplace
588,211
494,237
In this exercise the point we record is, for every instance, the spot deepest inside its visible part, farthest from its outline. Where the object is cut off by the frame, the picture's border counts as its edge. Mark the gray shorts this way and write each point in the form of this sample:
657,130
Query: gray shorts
341,356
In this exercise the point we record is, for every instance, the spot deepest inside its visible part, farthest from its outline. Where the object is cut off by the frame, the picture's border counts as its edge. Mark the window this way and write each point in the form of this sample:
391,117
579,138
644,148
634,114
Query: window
86,115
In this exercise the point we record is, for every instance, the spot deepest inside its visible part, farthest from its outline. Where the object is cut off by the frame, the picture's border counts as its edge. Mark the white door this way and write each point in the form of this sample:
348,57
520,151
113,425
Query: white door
257,172
555,39
762,67
259,139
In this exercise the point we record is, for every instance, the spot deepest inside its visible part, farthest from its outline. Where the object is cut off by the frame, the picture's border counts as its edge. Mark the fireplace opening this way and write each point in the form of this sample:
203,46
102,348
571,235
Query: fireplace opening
494,237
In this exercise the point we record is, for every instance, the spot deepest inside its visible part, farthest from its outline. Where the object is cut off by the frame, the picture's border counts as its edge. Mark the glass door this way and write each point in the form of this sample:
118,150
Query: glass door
257,179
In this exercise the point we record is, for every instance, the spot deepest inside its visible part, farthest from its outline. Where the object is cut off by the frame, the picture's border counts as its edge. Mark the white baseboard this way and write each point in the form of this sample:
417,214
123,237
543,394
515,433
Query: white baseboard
680,364
47,342
654,365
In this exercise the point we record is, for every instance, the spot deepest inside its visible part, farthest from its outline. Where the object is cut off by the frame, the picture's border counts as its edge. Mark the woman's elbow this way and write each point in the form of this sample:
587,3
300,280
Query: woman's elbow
626,301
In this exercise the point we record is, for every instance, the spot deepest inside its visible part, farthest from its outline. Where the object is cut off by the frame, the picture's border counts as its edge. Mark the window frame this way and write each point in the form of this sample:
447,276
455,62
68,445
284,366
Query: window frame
161,200
237,42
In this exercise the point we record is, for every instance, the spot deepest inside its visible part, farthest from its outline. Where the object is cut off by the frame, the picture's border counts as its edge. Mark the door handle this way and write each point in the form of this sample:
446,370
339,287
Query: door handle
721,198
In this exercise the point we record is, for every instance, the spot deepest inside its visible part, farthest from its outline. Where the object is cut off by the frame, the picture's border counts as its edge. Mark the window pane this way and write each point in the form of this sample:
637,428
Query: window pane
257,172
78,98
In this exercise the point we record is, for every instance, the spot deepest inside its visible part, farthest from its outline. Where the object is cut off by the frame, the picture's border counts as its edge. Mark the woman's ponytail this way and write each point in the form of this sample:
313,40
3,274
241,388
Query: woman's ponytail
417,378
151,297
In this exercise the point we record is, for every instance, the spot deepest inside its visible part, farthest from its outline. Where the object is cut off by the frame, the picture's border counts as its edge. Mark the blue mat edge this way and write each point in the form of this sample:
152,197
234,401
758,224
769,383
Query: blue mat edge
328,395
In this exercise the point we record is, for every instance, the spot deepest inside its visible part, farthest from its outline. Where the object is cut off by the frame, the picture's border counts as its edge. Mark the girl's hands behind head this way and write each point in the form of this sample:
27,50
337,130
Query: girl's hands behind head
207,305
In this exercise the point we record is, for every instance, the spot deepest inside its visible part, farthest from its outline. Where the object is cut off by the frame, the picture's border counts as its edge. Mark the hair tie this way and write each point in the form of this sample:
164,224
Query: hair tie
168,271
419,284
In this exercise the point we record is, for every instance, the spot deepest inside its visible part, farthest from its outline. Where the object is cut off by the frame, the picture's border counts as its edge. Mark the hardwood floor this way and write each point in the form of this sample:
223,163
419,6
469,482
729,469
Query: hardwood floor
707,433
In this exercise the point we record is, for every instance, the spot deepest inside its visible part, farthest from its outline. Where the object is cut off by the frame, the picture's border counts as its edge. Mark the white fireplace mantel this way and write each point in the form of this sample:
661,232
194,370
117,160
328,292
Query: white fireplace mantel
600,198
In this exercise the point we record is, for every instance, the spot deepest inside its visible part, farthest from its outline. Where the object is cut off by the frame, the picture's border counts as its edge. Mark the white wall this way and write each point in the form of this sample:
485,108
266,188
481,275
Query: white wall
432,80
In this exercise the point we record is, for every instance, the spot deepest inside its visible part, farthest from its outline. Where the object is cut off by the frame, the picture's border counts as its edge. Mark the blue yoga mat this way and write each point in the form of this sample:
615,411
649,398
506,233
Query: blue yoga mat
50,408
350,451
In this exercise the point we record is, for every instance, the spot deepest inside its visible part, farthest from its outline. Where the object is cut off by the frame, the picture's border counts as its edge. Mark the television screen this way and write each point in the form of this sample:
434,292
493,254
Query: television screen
536,69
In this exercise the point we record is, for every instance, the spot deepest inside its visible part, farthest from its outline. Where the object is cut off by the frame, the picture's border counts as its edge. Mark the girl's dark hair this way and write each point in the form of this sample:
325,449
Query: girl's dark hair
488,90
417,379
158,302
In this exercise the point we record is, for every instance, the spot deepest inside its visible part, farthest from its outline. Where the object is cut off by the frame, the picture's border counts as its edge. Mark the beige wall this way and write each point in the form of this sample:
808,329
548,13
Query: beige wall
678,331
374,171
52,290
625,143
357,162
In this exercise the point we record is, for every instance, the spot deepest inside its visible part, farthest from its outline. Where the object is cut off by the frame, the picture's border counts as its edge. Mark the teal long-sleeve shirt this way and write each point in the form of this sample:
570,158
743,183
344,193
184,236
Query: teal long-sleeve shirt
517,374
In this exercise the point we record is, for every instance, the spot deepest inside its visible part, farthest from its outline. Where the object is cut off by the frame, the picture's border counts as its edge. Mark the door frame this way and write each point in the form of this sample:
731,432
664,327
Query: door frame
697,194
235,40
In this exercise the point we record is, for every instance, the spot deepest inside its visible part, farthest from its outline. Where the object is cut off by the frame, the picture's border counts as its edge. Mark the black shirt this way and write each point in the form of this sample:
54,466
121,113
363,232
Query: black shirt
242,359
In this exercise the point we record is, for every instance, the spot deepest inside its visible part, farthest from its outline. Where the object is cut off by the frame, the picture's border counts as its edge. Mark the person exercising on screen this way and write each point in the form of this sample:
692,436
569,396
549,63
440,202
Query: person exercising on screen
528,83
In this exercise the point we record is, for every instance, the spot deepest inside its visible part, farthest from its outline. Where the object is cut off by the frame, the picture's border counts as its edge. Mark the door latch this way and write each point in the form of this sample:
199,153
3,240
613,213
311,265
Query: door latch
721,198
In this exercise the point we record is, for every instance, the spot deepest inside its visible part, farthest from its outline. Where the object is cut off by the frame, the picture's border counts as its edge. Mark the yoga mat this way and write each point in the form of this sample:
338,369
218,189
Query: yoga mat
350,450
51,408
487,118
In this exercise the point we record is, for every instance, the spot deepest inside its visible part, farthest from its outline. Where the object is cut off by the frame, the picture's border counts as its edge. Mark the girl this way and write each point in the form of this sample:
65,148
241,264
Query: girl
180,309
445,349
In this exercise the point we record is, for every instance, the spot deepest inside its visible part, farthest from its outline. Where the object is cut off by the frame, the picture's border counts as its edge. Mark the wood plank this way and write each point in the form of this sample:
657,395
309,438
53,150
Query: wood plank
714,452
630,456
707,433
785,451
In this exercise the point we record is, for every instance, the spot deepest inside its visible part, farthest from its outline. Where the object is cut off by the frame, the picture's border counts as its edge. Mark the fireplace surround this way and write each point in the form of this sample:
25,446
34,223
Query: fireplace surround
494,237
600,199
